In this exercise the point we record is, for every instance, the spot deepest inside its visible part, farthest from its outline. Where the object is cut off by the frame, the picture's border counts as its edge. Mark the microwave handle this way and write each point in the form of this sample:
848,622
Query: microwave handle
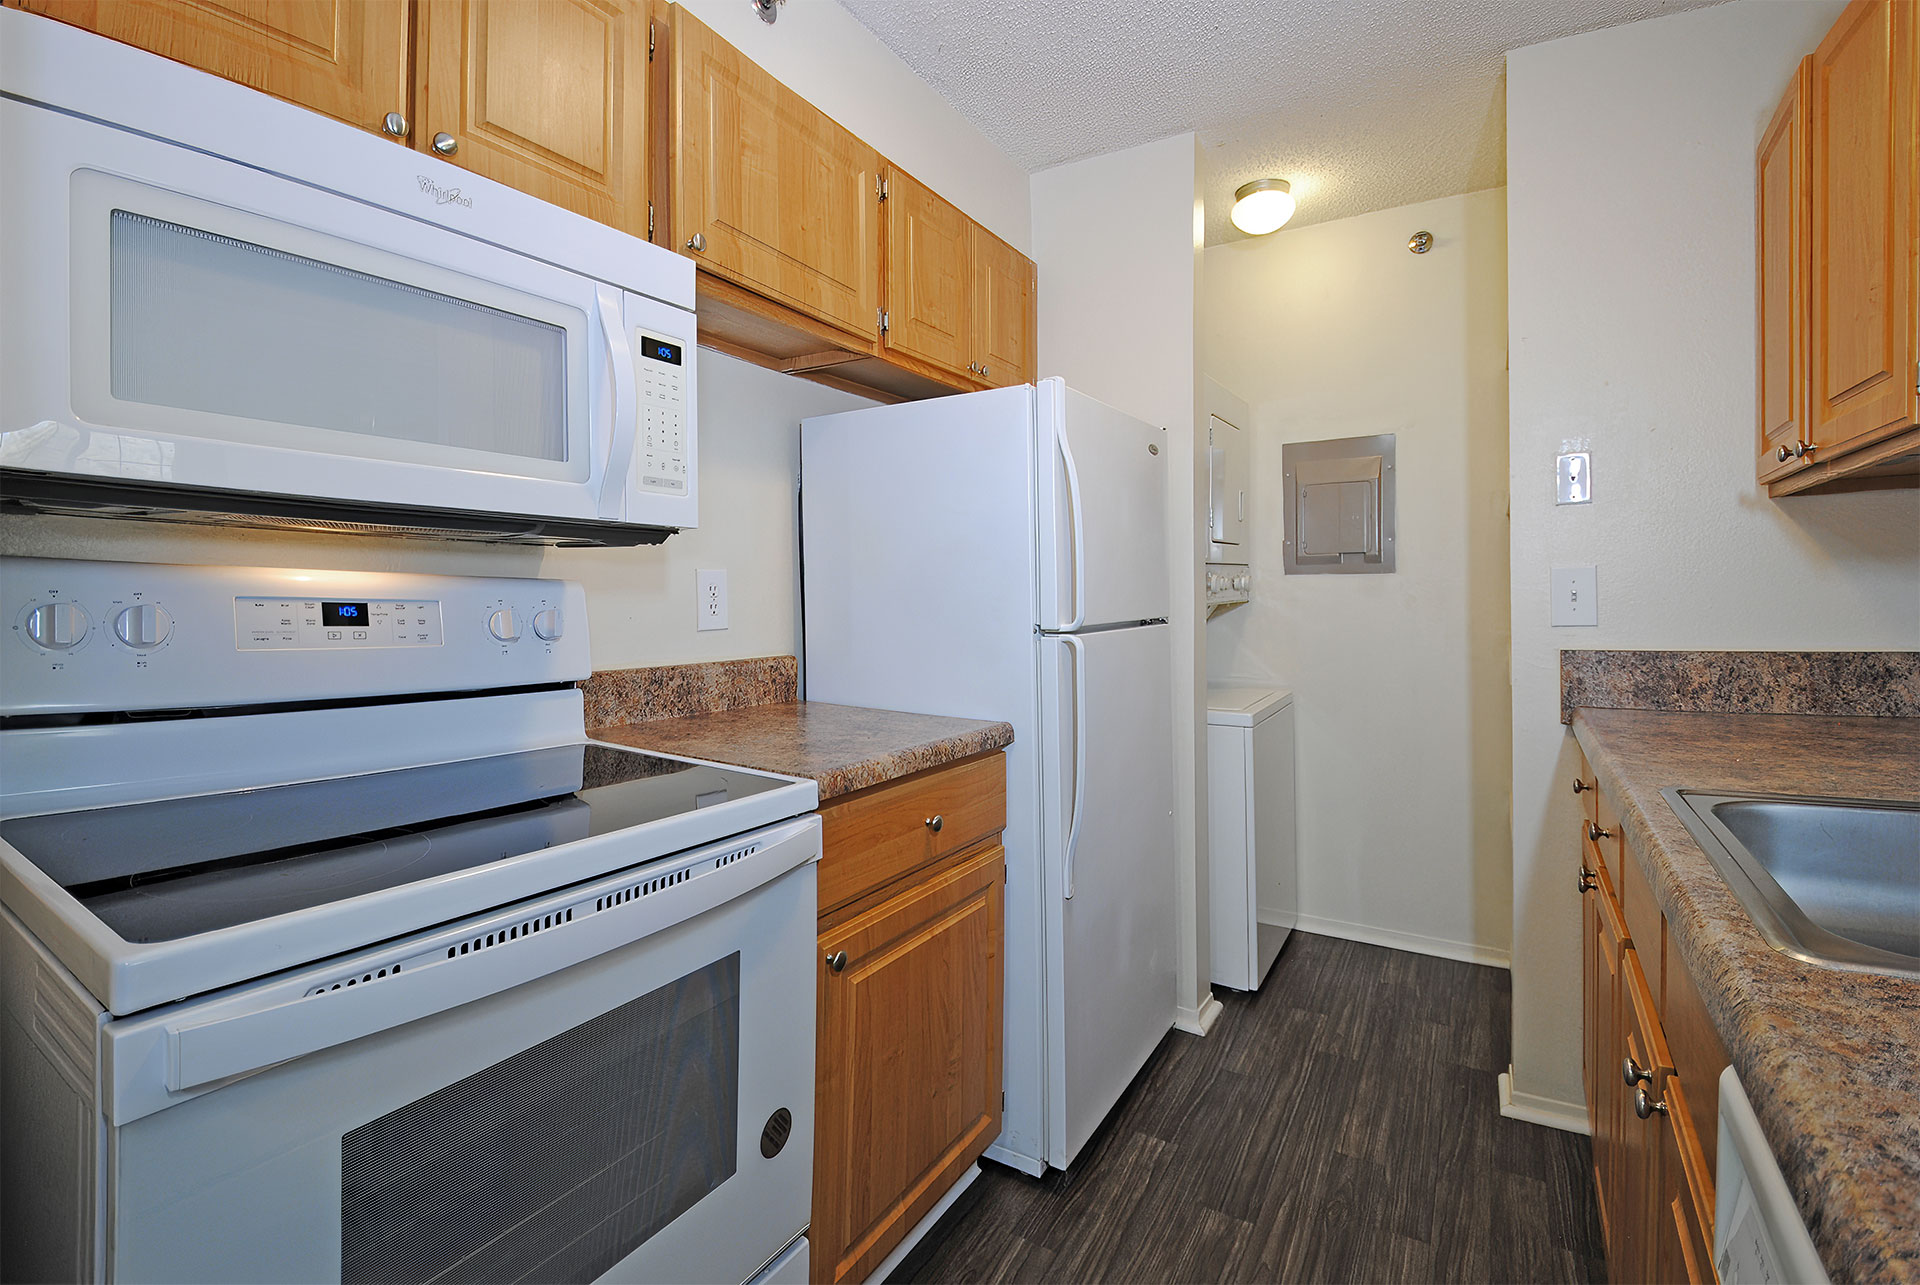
625,414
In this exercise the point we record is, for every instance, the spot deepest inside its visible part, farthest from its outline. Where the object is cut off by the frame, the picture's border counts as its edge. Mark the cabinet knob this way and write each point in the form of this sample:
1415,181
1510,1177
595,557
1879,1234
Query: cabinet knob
445,144
697,242
985,373
1595,833
1588,880
1633,1073
1784,454
1644,1105
837,960
935,822
1579,785
394,124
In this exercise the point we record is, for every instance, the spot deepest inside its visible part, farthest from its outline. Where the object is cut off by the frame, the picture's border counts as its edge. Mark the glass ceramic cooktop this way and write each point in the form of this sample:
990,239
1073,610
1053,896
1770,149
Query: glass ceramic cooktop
178,867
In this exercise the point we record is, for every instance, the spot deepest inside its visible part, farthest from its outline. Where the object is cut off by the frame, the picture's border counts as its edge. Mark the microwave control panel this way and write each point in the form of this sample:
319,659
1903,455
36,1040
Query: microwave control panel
660,456
304,623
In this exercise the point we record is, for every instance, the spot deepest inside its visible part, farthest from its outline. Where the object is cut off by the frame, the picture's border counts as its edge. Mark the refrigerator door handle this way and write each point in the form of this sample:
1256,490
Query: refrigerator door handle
1077,548
1079,649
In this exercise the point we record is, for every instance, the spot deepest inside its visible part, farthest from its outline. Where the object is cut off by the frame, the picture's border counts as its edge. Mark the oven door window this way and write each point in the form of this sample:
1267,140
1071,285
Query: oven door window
558,1162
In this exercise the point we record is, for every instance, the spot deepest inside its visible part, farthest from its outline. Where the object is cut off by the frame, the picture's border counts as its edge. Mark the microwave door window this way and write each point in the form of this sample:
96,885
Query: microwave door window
212,324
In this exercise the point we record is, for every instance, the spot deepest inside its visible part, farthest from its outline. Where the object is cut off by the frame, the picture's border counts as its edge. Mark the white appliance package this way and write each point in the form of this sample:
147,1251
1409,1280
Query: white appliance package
1002,555
222,307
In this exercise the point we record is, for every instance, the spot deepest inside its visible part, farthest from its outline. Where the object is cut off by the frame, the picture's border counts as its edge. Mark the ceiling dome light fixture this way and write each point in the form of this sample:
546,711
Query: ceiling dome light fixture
1262,206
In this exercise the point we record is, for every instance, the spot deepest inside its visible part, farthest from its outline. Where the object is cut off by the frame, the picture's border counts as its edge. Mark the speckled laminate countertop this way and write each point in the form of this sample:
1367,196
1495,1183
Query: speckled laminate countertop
842,747
1830,1059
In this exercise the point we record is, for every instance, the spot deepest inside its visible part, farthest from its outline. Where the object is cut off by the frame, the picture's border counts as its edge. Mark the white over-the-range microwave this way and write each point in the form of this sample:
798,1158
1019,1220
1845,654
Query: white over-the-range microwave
216,306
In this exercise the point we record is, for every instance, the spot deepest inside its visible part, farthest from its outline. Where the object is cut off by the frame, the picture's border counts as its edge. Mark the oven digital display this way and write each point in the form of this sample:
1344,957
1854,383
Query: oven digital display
660,350
336,615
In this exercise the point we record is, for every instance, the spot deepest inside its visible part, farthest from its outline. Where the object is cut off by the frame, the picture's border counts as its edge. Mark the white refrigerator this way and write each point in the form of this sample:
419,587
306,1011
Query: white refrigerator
1003,555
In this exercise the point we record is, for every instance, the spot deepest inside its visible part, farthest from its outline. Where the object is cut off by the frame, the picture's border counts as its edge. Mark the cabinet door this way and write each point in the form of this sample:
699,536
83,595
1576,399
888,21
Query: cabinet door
1864,349
1684,1238
1602,935
1781,233
346,58
929,276
1003,310
769,192
1631,1253
547,96
909,1061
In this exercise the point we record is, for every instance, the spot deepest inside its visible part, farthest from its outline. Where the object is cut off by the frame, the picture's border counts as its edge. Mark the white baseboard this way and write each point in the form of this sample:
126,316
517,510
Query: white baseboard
1466,952
1198,1021
1552,1112
921,1228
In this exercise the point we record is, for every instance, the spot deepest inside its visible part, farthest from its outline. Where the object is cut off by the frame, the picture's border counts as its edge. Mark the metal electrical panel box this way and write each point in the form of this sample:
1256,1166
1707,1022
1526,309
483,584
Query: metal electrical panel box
1339,507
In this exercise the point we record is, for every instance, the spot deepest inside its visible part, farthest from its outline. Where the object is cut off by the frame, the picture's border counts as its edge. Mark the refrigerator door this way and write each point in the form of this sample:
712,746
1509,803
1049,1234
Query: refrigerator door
1106,750
1101,483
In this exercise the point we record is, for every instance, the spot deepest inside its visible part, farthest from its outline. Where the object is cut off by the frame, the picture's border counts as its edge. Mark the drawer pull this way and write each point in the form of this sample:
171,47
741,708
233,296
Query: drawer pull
837,960
1579,785
1595,833
935,822
1588,880
1633,1073
1644,1105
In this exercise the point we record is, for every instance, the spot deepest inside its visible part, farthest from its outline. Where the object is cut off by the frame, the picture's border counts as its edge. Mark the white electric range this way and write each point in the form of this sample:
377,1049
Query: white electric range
331,949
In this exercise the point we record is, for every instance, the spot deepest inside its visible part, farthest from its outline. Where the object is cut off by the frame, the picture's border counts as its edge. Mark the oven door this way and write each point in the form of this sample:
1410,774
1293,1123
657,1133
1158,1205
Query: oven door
614,1082
178,320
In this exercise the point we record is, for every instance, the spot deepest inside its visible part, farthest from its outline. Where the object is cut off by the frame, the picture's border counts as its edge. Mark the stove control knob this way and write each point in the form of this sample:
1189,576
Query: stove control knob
58,625
143,626
547,624
504,625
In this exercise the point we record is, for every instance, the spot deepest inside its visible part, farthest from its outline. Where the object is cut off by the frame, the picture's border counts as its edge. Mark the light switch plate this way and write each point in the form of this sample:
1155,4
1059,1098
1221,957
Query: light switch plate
1576,596
1573,479
711,594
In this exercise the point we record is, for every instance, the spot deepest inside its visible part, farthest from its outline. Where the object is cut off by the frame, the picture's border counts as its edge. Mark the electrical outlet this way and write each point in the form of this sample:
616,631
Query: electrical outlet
711,589
1576,596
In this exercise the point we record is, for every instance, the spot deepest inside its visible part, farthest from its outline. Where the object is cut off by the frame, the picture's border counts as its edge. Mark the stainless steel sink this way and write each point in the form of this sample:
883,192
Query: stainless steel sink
1830,881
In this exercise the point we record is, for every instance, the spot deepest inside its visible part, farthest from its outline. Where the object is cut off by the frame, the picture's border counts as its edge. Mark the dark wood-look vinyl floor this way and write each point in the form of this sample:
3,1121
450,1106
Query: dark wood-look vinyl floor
1342,1124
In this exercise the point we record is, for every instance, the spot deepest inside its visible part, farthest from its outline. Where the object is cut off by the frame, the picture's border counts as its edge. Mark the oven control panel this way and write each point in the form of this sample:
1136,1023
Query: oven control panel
78,637
276,622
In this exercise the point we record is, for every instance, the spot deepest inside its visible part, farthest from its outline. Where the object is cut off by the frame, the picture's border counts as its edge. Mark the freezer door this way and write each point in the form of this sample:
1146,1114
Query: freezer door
1102,489
1107,781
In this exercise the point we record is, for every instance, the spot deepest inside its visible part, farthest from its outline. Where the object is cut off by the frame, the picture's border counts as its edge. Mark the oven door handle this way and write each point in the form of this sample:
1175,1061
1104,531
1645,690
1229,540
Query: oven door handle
432,980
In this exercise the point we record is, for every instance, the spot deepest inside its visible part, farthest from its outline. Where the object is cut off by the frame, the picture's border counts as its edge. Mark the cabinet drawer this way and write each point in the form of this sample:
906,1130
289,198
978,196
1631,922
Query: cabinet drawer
1645,924
874,837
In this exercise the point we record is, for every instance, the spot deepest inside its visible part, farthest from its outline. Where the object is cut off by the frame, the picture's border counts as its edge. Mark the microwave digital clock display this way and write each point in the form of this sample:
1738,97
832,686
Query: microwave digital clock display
343,615
661,350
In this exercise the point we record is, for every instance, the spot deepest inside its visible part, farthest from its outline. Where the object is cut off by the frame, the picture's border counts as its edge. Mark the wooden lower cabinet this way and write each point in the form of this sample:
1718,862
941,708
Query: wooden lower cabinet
1653,1175
910,1012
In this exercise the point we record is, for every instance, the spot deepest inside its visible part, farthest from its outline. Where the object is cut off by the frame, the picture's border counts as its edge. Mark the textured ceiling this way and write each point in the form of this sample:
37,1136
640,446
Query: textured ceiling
1360,104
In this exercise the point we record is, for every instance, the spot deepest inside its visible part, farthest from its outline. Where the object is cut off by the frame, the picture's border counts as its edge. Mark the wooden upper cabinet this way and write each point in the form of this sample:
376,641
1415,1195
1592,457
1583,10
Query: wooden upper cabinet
929,276
547,96
1865,352
1003,310
1781,236
346,58
908,1094
769,192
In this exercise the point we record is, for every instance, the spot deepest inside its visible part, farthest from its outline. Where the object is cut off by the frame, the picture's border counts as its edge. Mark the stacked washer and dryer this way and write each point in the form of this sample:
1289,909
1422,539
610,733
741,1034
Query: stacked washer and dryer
1253,901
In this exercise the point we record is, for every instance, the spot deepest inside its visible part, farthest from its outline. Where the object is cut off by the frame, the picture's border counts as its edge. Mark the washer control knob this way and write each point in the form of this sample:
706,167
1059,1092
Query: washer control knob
504,624
143,626
58,625
547,624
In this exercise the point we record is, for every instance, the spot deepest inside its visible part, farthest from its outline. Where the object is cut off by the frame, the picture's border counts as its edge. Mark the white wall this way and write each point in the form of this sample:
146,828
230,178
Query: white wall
1400,680
641,600
1631,265
1117,245
818,49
